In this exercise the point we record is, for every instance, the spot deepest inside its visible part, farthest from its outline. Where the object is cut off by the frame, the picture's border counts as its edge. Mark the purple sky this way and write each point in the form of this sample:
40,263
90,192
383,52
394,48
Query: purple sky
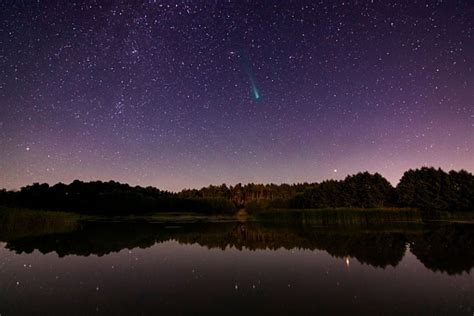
164,93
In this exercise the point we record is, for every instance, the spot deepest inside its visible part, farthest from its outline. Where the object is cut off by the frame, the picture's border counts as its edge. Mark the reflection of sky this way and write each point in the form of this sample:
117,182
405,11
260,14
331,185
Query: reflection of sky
176,278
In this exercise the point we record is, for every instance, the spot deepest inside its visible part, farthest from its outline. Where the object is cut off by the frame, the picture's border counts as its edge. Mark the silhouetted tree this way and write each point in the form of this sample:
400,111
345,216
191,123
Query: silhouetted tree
425,189
433,189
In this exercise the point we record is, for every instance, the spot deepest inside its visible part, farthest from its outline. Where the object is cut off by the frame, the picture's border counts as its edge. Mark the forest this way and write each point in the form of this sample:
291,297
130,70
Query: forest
426,189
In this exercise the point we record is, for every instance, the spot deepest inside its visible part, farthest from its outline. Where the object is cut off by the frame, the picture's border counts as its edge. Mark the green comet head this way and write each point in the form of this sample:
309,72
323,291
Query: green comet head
256,96
255,93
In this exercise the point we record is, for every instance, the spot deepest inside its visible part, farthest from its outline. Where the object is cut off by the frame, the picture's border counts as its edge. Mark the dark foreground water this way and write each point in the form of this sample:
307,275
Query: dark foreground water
238,268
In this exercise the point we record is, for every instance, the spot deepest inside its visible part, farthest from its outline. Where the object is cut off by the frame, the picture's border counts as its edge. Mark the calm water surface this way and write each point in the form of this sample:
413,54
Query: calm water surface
236,268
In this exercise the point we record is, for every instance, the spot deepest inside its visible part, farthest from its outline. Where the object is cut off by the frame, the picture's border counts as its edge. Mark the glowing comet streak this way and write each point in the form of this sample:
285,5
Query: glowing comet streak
248,69
256,93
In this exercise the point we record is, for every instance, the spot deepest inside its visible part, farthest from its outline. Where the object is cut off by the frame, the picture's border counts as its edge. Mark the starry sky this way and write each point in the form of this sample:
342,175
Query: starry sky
182,94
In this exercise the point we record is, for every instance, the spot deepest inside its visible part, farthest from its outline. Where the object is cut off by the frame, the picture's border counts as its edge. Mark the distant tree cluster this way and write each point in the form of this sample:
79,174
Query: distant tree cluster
241,195
425,189
109,198
362,190
434,189
428,189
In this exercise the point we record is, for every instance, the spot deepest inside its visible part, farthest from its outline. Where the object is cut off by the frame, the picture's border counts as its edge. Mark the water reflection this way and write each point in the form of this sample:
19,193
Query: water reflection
125,268
447,247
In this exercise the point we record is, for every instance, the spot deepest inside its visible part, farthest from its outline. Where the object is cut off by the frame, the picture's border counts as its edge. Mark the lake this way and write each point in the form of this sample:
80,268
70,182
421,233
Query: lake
226,266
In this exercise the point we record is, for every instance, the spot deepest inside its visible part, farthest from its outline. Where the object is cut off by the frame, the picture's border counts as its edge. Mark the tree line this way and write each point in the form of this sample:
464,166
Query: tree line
110,197
427,189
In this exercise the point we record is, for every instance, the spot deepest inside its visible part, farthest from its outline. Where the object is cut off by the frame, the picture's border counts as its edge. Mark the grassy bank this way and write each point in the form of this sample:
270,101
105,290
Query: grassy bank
164,217
342,216
17,223
439,216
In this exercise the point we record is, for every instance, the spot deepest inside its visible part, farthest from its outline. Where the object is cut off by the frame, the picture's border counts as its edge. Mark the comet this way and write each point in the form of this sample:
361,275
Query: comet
256,95
255,92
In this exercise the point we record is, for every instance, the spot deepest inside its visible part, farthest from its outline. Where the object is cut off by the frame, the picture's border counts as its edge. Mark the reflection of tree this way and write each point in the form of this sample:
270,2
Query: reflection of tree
375,248
378,249
441,248
92,238
446,248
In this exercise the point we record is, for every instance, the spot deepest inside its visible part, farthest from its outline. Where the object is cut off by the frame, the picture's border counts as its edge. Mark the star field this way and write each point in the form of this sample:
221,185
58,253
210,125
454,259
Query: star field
162,93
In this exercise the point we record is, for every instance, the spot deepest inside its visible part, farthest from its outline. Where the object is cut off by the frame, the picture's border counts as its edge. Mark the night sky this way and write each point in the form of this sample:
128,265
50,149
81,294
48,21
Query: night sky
189,93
